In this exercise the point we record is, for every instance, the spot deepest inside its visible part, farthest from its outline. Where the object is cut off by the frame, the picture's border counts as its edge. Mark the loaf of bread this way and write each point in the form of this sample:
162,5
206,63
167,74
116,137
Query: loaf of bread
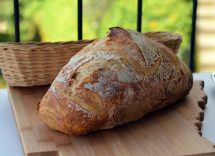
113,81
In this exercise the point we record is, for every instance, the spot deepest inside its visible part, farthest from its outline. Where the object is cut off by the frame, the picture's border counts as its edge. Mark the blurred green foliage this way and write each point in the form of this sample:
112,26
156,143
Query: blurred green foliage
2,83
56,20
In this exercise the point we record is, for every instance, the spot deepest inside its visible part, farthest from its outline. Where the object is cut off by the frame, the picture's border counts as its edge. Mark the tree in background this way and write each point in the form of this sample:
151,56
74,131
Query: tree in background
56,20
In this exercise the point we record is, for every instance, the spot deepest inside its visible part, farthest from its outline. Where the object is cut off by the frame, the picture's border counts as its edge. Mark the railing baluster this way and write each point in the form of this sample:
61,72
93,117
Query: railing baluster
139,15
193,36
16,20
79,19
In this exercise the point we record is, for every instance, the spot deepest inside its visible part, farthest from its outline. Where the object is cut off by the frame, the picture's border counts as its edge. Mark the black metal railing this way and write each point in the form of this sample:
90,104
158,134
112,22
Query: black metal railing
80,13
139,15
193,36
139,24
16,20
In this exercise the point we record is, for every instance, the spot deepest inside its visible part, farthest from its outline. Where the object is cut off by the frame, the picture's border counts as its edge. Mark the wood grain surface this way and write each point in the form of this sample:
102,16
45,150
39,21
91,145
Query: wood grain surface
171,131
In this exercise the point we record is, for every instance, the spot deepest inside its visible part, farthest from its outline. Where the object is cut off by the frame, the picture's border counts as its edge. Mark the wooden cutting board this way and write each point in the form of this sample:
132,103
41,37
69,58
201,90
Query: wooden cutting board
174,130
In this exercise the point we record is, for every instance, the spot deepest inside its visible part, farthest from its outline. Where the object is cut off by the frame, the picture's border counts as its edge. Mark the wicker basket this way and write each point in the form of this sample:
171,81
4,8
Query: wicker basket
32,64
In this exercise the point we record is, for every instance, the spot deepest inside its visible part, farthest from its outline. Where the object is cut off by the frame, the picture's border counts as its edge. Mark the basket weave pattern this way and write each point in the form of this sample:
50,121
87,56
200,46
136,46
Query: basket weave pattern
32,64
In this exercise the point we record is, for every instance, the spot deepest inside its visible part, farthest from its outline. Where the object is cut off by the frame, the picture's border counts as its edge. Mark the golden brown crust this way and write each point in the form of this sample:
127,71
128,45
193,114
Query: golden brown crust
169,39
114,81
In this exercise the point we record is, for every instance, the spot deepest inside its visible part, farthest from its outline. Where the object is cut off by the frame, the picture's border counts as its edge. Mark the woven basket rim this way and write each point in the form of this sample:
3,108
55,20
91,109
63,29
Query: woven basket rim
36,63
43,43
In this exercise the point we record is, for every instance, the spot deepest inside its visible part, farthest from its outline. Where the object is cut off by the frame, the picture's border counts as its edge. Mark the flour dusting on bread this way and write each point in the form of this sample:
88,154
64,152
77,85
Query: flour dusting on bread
113,81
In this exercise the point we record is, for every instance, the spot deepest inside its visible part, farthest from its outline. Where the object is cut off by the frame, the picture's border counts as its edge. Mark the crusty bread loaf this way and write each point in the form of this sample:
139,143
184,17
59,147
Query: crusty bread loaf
113,81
